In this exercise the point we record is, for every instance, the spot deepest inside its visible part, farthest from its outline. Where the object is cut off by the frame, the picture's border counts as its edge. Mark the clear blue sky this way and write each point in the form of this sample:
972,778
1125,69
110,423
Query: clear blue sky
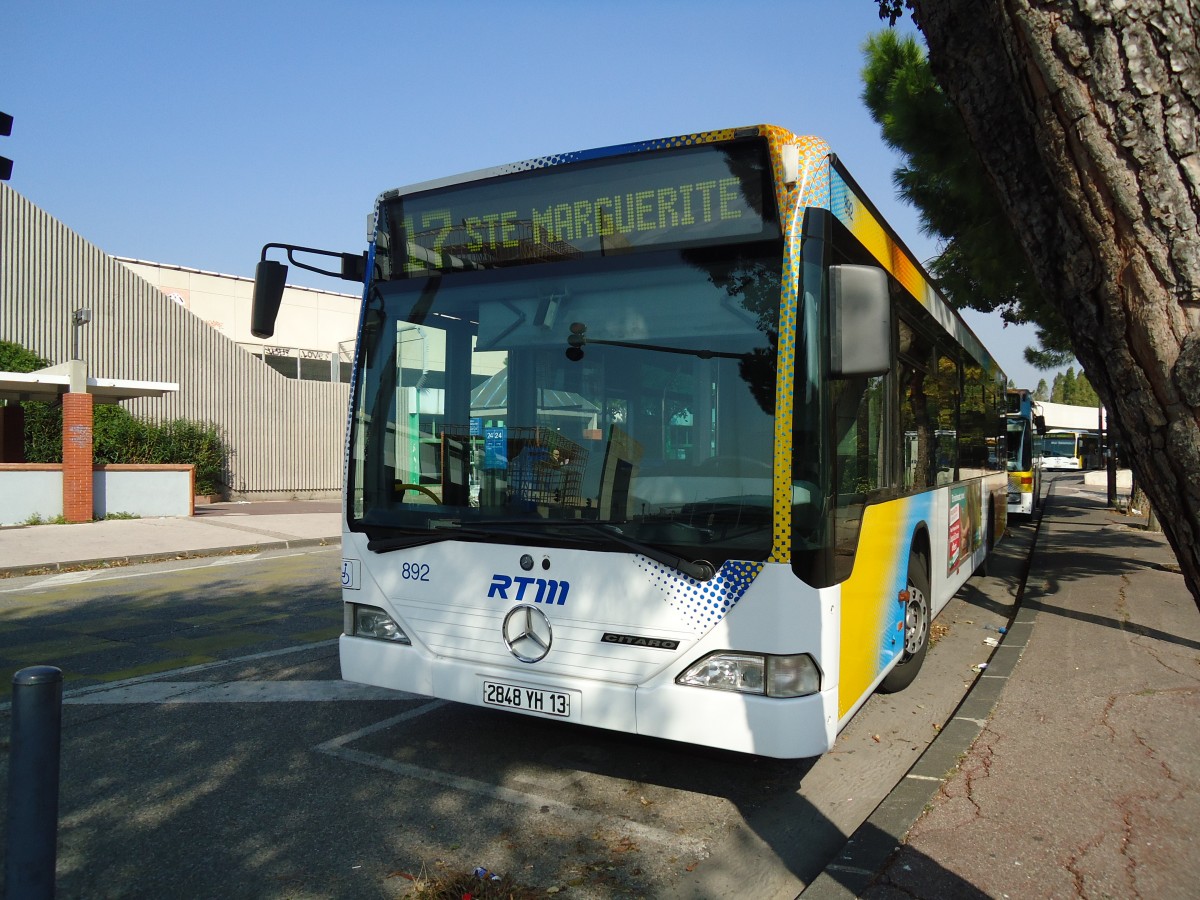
192,134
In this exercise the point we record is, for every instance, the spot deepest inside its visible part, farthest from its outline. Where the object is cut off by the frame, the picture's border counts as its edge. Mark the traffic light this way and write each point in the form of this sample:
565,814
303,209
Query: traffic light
5,131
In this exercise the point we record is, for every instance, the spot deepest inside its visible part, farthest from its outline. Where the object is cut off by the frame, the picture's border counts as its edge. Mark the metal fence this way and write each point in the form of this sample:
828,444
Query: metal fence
286,436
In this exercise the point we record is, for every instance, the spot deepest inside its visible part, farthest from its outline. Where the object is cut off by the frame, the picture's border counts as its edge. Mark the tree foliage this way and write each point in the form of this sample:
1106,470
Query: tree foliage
981,265
1072,389
15,358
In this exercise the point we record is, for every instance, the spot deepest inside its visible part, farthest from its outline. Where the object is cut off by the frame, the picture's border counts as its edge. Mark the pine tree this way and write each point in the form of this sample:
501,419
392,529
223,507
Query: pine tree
1085,394
1068,387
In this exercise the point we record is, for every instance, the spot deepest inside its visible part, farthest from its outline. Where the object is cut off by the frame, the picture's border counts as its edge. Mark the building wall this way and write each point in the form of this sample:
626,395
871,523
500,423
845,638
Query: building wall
1074,418
313,325
286,436
35,492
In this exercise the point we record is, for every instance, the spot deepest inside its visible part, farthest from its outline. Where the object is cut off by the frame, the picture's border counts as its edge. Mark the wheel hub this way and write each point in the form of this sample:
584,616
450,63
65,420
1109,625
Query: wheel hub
916,620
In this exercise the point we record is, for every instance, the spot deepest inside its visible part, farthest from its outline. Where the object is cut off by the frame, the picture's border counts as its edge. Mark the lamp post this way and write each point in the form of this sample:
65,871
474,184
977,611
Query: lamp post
79,318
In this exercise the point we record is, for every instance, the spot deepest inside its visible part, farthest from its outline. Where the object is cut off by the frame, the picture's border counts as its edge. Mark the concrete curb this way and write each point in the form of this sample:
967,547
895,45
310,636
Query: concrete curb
116,562
873,843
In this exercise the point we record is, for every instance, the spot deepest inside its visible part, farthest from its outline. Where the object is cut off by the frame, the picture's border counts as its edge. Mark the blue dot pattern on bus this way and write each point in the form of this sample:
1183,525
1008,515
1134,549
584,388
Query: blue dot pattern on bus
703,603
556,159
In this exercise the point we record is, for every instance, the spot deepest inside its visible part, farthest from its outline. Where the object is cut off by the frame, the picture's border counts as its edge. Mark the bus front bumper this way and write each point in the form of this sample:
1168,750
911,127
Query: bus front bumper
781,728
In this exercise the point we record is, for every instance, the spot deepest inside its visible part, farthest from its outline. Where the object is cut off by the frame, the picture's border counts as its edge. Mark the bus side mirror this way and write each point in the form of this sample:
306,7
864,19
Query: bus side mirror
860,321
269,279
1039,422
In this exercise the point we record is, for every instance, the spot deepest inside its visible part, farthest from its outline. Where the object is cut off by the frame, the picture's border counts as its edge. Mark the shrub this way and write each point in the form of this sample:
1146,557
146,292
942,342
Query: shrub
15,358
43,432
119,437
43,421
199,443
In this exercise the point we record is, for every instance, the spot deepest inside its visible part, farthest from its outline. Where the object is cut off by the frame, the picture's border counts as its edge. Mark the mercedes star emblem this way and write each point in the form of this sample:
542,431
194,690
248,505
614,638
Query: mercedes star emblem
527,633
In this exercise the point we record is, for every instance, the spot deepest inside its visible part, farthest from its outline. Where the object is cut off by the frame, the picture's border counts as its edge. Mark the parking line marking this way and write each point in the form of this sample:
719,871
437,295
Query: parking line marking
238,692
338,742
187,670
96,575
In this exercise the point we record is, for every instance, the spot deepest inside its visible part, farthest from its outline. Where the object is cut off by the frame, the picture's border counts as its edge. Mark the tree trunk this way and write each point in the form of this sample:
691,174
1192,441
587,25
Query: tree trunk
1086,116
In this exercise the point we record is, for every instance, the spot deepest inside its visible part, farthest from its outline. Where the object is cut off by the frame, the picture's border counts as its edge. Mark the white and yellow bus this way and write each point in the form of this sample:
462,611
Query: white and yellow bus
1025,448
1071,450
673,438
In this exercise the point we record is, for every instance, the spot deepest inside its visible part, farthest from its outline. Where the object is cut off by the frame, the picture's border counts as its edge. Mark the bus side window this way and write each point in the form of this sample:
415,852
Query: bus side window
917,427
918,412
860,464
975,420
944,394
858,434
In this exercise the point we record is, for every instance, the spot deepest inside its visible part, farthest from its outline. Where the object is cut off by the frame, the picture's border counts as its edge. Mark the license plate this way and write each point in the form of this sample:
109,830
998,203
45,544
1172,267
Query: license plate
511,696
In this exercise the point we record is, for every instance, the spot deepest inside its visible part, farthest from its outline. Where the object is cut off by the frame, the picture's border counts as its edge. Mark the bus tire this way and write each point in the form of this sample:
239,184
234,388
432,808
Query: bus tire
917,620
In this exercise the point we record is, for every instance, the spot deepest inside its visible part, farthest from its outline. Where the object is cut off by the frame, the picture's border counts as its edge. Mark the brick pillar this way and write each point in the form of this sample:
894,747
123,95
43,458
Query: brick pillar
77,457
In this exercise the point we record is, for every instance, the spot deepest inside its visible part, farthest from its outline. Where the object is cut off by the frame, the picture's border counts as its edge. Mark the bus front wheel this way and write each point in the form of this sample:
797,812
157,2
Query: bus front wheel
916,629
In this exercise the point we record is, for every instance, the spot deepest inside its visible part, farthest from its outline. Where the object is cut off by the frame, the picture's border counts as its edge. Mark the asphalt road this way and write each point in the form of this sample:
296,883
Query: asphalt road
211,750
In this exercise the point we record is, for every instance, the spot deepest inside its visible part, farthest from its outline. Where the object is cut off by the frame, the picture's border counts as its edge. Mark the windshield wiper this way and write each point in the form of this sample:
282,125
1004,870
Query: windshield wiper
700,569
485,530
447,532
403,542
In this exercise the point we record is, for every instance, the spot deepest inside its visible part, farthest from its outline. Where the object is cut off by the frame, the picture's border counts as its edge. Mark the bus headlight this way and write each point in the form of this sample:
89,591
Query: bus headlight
372,622
795,675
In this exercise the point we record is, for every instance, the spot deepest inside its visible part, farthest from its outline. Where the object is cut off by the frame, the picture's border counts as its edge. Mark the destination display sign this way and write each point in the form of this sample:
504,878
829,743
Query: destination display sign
684,196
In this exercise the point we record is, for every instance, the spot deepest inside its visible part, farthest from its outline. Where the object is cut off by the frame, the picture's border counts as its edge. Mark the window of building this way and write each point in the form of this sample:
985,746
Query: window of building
306,365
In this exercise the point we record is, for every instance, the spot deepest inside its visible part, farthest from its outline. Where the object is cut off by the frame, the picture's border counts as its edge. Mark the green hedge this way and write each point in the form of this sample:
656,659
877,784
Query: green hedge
119,437
43,432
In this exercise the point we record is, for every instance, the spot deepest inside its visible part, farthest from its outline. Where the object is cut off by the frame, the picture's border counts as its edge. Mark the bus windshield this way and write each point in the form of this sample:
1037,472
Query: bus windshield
1059,445
589,402
1020,456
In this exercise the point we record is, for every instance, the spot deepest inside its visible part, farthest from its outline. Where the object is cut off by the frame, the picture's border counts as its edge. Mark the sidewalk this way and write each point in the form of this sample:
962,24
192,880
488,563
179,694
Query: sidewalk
216,529
1083,775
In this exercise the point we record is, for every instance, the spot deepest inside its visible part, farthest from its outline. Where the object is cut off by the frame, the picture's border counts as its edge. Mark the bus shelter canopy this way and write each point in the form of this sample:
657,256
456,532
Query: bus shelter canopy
50,384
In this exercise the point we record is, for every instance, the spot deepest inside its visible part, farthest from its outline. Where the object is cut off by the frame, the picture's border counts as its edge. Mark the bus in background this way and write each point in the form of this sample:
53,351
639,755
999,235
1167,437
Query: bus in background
1070,450
673,438
1024,430
1091,450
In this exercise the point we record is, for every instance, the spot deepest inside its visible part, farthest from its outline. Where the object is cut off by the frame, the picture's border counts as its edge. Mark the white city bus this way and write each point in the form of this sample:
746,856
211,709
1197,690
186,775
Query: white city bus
1071,450
673,438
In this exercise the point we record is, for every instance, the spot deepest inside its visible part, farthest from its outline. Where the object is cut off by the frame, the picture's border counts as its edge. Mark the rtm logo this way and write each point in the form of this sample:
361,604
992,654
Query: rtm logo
549,592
